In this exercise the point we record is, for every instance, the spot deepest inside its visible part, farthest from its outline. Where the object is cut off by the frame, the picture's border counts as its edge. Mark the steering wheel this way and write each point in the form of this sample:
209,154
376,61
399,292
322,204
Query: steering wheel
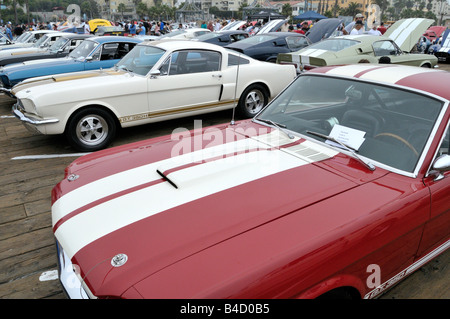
401,139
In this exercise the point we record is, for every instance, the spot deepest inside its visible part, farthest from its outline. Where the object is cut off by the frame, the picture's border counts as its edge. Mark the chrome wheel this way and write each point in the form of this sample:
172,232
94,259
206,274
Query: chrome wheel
92,130
254,100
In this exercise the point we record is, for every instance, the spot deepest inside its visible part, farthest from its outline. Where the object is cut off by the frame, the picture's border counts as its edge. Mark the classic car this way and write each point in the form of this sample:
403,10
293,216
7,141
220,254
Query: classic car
4,40
396,43
26,39
223,38
267,46
65,43
433,33
443,53
156,81
339,194
182,34
234,25
108,30
92,54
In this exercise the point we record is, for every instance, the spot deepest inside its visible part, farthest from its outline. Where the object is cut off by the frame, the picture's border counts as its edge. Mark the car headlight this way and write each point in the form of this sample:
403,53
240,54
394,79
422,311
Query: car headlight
27,105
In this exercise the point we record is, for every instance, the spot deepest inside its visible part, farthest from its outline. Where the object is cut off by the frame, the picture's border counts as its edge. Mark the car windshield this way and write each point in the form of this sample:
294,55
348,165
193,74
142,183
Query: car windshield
173,34
24,37
58,44
41,41
141,59
83,50
385,125
258,39
207,36
334,44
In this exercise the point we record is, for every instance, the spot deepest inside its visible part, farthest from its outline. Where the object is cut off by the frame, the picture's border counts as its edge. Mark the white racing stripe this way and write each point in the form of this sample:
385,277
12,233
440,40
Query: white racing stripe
195,182
404,30
119,212
121,181
352,69
393,75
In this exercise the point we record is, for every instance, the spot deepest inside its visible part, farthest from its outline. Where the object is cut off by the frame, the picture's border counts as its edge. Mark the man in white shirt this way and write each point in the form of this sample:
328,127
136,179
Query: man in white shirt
358,28
374,30
349,27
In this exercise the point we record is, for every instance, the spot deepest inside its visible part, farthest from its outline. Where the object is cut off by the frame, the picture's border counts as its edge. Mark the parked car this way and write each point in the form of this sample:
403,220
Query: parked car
156,81
183,34
4,40
396,44
267,46
92,54
443,52
59,49
26,39
280,206
108,30
223,38
434,32
235,25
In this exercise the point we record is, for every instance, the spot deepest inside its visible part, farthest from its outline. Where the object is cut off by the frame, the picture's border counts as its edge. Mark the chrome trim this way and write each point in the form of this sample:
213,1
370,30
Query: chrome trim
18,113
7,92
68,278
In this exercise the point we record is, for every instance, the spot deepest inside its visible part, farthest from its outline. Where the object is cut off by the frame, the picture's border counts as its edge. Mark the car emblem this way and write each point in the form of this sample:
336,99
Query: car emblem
119,260
72,177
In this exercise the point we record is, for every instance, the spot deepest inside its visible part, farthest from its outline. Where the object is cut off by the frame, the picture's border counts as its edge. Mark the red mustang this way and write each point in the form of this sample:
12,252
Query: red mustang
340,187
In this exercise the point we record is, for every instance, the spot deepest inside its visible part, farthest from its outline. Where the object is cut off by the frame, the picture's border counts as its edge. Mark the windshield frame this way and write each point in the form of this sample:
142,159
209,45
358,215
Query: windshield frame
426,148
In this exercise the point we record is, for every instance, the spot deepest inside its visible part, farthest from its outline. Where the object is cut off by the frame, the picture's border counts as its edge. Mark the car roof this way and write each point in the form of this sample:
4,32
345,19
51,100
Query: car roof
423,79
115,38
183,44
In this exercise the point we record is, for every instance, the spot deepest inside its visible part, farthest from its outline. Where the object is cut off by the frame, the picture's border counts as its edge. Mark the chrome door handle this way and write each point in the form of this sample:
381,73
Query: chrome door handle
217,76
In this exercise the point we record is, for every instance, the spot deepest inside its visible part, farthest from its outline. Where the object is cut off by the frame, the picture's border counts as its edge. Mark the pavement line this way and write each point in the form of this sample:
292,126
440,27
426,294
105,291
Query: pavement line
26,157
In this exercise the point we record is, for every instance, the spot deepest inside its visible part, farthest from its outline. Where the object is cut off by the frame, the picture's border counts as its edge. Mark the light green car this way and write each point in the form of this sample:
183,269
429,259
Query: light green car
396,44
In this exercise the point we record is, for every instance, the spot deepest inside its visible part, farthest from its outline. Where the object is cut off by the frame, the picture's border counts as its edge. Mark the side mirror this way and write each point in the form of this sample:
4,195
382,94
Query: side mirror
441,165
154,74
89,58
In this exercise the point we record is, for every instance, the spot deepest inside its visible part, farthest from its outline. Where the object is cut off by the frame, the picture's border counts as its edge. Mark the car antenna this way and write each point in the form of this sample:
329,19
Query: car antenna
235,89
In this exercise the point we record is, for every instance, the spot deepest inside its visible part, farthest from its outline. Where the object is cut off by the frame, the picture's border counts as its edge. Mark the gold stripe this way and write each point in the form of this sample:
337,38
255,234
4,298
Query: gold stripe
148,115
20,53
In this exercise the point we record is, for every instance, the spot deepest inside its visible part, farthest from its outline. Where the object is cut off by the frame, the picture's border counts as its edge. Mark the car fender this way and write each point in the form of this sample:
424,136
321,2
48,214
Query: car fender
83,104
334,282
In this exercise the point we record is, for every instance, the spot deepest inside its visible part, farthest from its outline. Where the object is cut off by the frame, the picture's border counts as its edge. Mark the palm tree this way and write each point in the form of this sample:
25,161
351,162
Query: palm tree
383,4
121,7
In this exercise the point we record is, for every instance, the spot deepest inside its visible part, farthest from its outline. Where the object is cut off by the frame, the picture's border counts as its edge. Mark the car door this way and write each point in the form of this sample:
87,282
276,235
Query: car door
436,232
104,56
390,49
189,81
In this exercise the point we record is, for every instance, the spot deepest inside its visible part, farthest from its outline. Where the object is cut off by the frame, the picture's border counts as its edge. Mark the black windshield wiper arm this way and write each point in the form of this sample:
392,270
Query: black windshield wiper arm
346,147
281,127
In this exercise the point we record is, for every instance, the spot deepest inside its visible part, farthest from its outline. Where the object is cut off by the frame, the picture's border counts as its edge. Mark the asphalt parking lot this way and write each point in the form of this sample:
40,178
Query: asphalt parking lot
31,165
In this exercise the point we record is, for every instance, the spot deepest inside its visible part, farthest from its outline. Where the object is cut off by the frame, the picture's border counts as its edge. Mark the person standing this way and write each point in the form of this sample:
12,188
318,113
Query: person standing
358,28
9,32
374,30
349,27
132,28
382,28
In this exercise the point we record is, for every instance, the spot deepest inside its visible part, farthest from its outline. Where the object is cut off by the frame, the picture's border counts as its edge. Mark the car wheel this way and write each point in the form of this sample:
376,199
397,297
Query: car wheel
90,129
254,98
426,65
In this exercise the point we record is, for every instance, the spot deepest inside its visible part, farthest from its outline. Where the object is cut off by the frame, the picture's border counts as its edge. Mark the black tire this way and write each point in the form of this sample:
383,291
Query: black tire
252,100
90,129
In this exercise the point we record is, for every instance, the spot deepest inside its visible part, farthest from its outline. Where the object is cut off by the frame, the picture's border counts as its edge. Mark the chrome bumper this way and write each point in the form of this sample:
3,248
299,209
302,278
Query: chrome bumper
7,92
68,277
28,120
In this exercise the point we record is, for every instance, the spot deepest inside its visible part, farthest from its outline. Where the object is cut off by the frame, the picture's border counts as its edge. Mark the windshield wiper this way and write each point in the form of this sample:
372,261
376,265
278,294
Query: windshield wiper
346,147
281,127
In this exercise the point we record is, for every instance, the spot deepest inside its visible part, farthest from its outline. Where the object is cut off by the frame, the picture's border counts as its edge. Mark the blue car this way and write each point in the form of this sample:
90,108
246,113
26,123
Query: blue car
92,54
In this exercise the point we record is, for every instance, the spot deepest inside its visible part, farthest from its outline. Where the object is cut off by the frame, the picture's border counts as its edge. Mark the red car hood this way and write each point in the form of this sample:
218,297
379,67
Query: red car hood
157,208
